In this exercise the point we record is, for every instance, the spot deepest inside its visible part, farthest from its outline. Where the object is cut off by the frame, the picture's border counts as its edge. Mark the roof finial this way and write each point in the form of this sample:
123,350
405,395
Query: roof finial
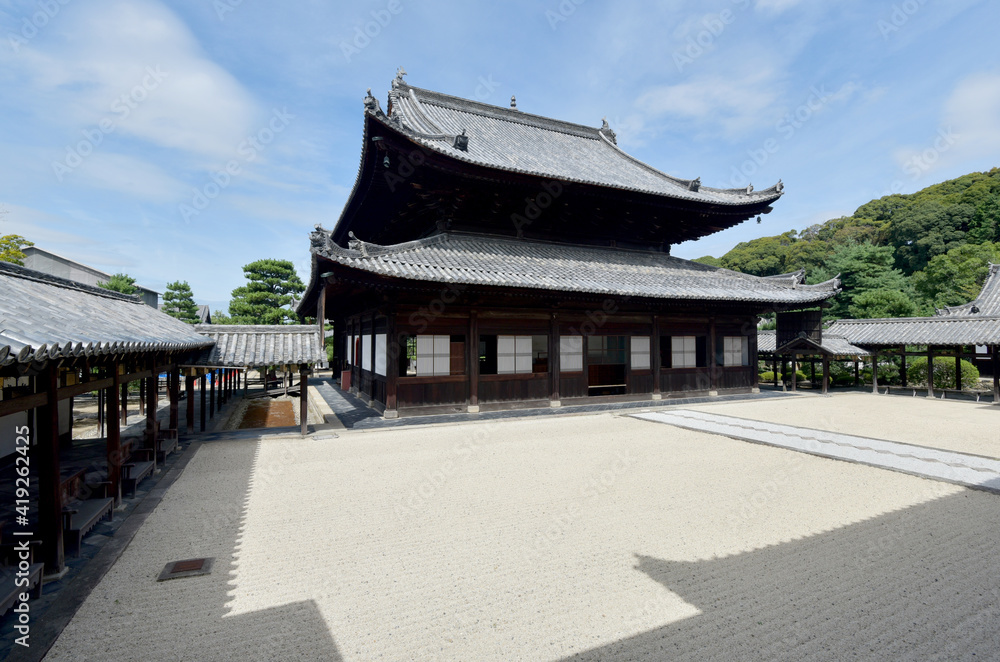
399,77
371,103
606,130
749,189
513,102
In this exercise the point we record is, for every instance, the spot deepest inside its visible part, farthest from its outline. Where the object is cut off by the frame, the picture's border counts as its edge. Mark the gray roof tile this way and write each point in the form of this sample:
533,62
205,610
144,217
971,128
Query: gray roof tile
513,141
258,346
43,317
508,262
834,344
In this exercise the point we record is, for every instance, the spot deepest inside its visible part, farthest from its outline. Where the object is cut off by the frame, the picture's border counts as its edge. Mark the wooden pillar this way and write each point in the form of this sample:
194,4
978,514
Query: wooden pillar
656,358
555,369
211,406
902,365
826,374
124,412
784,370
875,373
114,438
795,371
100,415
996,373
49,491
174,393
857,371
151,393
321,321
958,370
774,368
397,353
304,399
142,397
204,405
712,385
189,389
812,371
930,372
473,353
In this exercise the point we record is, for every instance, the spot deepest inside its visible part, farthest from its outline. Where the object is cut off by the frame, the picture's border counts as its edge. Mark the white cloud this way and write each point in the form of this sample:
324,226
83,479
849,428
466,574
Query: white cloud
776,6
969,131
735,103
136,65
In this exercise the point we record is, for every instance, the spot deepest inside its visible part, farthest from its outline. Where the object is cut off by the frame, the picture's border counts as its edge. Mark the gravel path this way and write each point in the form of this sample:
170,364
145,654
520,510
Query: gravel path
601,536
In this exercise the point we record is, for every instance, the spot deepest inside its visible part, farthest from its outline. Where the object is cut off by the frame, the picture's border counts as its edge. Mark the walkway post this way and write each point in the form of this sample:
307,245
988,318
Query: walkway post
826,374
795,371
189,389
874,373
204,405
114,438
49,493
930,372
996,375
958,369
304,399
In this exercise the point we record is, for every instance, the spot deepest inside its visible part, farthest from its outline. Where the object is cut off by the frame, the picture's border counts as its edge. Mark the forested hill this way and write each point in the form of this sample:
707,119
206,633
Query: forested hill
898,256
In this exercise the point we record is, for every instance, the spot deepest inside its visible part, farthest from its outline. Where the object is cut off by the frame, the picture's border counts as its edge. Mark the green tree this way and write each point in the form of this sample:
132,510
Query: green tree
10,248
985,226
268,296
882,302
944,373
120,283
862,268
709,260
760,257
178,301
219,317
957,276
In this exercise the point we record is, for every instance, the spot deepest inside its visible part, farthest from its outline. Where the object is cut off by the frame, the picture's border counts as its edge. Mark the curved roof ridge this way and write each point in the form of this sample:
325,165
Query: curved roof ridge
18,271
987,304
498,112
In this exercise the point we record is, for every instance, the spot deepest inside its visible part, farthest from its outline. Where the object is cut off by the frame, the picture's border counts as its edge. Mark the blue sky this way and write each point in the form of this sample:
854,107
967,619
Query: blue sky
119,119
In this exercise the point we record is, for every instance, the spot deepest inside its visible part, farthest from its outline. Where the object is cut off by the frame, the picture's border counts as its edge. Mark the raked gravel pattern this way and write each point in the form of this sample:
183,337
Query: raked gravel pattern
596,537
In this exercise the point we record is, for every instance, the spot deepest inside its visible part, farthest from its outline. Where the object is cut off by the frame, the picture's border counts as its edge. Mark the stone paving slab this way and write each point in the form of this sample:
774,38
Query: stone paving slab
961,468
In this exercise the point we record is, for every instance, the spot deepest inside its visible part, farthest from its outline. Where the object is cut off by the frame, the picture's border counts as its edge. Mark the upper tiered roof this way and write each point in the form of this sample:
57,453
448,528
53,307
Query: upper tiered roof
431,162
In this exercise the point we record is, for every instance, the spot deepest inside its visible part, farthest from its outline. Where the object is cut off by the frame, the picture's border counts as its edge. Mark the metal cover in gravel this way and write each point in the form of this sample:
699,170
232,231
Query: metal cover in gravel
186,568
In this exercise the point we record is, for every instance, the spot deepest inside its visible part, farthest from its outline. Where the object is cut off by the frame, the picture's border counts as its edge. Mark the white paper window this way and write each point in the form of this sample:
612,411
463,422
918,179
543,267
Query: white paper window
735,351
683,350
350,350
433,355
366,352
380,355
571,353
640,353
513,355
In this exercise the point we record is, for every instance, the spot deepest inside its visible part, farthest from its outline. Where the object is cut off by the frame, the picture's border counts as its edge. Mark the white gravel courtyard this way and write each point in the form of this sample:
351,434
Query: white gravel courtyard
601,536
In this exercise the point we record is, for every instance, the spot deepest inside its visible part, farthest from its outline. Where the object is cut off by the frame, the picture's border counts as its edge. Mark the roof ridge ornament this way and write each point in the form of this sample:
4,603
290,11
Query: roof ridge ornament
694,184
749,189
398,80
356,244
608,132
461,142
779,187
513,102
371,103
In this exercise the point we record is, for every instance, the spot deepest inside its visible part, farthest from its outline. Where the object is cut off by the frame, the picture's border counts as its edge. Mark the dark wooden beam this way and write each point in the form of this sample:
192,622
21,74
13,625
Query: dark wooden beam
50,503
304,399
555,356
189,413
930,371
114,445
204,405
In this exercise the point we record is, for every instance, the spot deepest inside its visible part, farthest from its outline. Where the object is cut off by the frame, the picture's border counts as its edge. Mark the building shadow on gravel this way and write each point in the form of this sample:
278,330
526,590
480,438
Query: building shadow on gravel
922,583
191,618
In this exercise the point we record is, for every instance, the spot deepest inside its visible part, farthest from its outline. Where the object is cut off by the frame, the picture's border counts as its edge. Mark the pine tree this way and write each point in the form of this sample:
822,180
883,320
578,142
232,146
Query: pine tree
10,248
120,283
268,296
179,302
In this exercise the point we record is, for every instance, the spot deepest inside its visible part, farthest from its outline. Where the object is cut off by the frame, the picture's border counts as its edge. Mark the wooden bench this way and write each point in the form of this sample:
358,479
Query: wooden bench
135,470
82,516
167,443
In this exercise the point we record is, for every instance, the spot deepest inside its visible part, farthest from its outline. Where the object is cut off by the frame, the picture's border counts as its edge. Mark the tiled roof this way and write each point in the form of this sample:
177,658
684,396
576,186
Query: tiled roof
507,262
974,330
514,141
987,304
975,323
246,346
833,345
45,317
